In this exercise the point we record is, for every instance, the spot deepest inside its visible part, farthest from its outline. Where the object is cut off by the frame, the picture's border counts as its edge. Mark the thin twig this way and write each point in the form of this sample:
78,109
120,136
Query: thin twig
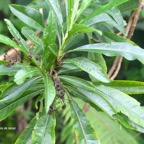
114,66
118,68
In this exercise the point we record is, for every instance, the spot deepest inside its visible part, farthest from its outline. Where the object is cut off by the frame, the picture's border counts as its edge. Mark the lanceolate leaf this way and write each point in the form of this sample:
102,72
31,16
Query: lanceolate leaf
86,89
83,6
7,108
98,100
83,130
126,50
26,134
77,82
44,130
31,35
25,73
104,8
23,45
128,87
54,4
50,30
29,16
80,28
7,41
117,16
123,103
15,91
117,38
5,70
97,58
90,67
108,131
49,92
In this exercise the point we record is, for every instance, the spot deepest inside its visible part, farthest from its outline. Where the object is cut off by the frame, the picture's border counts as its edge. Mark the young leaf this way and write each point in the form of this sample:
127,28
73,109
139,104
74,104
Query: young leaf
25,73
54,4
23,45
83,130
15,91
126,50
49,37
8,41
104,8
49,92
83,6
7,108
44,130
123,103
26,134
90,67
29,16
71,11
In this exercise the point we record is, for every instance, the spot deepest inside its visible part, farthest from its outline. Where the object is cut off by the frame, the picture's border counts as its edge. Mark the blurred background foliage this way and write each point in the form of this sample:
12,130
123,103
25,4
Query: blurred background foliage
129,71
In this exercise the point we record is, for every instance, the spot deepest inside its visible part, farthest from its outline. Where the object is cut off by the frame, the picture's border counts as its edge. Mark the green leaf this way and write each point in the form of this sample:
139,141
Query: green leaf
129,5
98,100
25,73
82,7
117,16
54,4
83,130
71,11
104,8
44,130
77,82
90,67
126,50
103,18
15,91
85,88
118,38
80,28
49,92
26,134
5,70
97,58
68,68
31,35
128,87
8,41
109,131
7,108
29,16
23,45
123,103
49,38
49,35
